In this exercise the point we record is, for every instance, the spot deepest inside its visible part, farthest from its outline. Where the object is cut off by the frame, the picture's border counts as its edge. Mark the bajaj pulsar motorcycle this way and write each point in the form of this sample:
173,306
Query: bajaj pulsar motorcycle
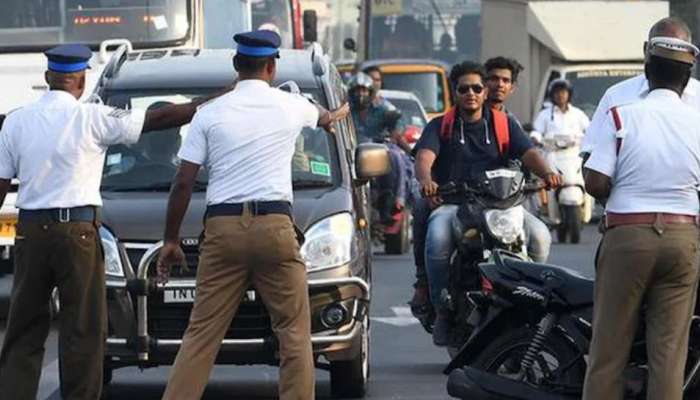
491,216
533,331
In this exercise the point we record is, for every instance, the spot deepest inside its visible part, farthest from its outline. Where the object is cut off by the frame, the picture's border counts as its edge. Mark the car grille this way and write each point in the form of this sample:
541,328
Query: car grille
169,320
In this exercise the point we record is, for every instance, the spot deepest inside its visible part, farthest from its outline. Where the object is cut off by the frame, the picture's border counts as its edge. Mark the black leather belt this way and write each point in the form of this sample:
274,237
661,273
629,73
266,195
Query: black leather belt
255,207
60,215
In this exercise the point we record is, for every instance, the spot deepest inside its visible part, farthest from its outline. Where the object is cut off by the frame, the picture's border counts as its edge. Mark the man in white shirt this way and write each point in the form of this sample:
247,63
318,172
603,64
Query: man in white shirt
56,148
245,140
647,164
634,89
562,118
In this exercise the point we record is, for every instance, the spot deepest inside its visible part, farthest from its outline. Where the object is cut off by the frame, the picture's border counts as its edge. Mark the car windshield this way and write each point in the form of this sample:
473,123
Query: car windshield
424,85
29,24
219,29
411,114
447,30
151,163
589,86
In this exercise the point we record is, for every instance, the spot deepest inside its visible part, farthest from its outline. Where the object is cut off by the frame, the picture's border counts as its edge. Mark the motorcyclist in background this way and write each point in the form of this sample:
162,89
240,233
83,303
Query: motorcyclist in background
379,122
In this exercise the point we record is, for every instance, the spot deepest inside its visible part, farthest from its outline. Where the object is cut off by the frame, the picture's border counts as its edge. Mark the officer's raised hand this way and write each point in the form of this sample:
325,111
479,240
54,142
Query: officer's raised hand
328,118
171,254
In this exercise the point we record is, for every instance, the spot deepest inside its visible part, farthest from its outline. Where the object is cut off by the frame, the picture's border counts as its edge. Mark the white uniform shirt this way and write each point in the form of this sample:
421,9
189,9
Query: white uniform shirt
245,139
56,148
553,121
658,168
626,92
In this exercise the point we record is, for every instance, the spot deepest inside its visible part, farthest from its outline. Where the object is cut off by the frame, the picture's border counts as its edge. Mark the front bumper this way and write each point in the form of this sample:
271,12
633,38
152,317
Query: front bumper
146,348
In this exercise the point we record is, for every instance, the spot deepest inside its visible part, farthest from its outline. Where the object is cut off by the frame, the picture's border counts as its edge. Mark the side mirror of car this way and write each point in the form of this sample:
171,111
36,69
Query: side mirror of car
350,44
371,161
310,21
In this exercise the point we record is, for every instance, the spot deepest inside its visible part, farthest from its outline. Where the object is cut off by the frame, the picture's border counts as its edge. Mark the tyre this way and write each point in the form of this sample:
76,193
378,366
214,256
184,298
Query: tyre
574,222
350,379
504,354
398,243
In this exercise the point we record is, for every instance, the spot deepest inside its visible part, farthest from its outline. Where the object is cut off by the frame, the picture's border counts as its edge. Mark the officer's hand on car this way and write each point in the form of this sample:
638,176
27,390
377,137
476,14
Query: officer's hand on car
336,115
171,254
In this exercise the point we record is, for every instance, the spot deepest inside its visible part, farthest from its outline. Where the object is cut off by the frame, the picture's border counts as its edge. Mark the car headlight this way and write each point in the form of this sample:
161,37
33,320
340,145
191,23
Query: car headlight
329,242
506,225
113,262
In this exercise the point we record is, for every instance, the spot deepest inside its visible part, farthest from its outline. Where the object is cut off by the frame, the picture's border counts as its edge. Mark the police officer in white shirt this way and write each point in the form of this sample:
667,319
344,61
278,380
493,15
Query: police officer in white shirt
647,163
634,89
245,140
56,148
562,118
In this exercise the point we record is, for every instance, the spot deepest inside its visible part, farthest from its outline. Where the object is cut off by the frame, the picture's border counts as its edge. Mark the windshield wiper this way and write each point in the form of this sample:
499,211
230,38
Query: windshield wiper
310,183
151,187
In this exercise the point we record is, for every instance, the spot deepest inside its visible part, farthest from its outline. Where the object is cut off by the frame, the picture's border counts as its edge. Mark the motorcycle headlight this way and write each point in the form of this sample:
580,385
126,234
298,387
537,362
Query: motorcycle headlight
505,225
329,242
113,262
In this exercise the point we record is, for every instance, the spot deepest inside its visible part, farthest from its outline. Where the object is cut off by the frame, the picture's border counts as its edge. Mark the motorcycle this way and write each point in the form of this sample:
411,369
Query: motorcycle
491,216
569,207
533,333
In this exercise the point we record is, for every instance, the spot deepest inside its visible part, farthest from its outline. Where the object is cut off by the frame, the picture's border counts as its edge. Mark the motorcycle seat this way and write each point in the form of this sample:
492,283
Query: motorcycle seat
574,288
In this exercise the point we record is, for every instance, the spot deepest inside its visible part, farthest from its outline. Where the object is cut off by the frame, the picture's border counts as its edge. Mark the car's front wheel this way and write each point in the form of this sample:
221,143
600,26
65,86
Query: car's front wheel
350,378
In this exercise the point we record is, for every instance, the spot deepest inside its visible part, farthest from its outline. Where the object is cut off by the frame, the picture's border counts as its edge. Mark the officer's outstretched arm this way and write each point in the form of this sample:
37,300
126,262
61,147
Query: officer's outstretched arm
326,118
4,188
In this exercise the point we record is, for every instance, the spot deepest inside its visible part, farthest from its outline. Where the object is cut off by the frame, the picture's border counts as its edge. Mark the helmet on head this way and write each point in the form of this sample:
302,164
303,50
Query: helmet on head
361,79
559,84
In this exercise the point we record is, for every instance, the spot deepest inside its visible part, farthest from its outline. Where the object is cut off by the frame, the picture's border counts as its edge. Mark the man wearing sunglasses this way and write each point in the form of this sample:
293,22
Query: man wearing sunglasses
465,137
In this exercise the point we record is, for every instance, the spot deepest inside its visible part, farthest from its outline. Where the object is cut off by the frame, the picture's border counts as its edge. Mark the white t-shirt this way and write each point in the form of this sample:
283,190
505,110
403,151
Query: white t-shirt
56,148
627,92
658,167
553,121
245,139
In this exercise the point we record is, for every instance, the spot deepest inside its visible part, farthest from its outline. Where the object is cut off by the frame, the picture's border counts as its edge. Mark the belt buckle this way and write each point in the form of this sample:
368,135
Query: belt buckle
64,215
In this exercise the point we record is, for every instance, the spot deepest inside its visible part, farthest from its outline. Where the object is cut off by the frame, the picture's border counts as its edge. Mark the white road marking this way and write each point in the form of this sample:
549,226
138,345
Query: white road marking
403,317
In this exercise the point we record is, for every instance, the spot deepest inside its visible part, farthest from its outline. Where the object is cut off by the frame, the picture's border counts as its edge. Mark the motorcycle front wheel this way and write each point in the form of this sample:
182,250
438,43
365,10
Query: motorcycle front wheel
503,357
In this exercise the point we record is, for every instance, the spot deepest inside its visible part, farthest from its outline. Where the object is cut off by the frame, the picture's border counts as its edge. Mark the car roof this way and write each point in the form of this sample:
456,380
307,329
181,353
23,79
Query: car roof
398,94
200,68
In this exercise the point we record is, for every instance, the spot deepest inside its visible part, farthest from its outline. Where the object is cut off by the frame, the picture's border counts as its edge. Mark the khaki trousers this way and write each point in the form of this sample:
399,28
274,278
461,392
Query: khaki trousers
69,256
637,265
237,252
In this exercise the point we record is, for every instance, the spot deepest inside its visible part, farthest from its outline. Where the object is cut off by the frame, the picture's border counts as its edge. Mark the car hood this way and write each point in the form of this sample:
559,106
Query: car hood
140,216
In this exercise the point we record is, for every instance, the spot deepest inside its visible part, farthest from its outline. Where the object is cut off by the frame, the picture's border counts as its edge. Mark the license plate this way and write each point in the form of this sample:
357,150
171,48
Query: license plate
7,227
187,296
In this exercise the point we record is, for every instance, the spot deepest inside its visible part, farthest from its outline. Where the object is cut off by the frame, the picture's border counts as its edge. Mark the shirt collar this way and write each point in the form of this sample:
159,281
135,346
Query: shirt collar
662,94
252,84
691,89
60,96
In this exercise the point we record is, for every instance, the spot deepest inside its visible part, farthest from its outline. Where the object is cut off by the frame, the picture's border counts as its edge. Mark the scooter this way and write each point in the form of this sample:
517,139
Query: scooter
569,207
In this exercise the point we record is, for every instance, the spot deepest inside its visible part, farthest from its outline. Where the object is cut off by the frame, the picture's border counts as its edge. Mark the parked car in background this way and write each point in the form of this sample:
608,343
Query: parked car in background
331,206
413,115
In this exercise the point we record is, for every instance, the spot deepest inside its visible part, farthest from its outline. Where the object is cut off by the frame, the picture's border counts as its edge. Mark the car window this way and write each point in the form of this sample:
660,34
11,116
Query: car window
152,161
411,113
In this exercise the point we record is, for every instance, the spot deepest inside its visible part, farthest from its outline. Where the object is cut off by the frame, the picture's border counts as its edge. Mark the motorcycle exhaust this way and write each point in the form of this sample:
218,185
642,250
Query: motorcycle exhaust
473,384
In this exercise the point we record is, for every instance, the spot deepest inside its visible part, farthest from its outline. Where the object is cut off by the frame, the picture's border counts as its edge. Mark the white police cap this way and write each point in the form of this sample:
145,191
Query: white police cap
673,49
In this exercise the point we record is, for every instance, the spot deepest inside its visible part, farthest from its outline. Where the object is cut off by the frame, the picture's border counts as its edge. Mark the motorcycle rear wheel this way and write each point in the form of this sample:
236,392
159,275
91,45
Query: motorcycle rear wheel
503,356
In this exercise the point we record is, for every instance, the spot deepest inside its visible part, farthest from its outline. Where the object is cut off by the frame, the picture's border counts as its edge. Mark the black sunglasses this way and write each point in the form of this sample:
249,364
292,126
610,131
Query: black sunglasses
464,89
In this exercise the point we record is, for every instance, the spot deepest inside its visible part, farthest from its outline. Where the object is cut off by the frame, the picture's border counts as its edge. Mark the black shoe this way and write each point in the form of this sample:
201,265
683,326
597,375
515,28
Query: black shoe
441,329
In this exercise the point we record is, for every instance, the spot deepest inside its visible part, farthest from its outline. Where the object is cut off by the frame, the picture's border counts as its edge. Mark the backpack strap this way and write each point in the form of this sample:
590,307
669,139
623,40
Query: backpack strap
448,123
619,129
502,129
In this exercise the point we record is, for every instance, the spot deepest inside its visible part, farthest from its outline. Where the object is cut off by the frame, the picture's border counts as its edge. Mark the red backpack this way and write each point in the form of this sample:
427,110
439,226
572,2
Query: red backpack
500,122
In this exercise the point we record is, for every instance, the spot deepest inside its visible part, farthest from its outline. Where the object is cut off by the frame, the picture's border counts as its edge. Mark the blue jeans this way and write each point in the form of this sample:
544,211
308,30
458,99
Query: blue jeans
441,243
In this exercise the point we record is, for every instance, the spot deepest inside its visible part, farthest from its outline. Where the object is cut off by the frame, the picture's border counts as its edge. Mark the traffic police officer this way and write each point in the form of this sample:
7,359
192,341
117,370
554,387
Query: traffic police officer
647,162
56,148
246,141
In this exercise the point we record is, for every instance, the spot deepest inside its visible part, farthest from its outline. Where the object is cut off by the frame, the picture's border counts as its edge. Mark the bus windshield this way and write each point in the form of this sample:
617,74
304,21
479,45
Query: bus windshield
447,30
589,86
274,15
31,24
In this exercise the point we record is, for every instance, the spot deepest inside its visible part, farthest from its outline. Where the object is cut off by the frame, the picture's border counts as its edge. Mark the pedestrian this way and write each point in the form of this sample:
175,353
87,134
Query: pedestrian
245,140
647,164
56,148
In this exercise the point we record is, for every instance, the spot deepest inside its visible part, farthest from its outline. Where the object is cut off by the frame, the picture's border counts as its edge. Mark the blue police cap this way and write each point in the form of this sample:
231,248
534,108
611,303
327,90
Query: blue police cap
69,58
260,43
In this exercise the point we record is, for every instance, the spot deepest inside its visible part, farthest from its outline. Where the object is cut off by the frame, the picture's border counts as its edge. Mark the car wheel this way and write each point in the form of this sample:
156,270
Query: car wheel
350,378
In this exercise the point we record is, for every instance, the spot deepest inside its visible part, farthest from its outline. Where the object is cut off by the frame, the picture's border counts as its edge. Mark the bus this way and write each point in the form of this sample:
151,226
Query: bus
29,27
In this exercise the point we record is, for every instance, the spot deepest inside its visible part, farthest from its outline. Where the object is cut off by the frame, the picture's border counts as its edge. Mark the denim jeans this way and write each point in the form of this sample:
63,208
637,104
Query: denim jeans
441,243
421,213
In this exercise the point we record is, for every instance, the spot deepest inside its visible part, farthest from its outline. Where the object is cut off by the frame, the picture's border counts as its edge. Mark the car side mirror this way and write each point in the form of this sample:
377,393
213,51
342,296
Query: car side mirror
371,161
310,21
350,44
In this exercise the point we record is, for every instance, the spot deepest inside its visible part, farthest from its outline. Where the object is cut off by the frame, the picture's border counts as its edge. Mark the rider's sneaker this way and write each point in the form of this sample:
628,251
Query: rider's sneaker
441,329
